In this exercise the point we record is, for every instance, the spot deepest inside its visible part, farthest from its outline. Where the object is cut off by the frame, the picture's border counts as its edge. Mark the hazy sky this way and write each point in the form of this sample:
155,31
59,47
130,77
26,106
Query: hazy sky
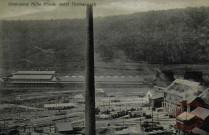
103,8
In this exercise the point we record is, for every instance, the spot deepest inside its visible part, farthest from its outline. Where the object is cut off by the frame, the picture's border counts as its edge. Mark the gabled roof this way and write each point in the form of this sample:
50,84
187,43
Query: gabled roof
191,84
31,77
34,73
184,88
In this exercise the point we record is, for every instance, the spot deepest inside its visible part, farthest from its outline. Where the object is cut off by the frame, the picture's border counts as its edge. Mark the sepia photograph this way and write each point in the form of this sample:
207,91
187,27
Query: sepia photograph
104,67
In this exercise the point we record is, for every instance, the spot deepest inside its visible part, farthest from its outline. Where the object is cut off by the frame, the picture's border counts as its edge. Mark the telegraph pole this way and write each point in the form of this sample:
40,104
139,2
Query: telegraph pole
109,104
152,117
89,85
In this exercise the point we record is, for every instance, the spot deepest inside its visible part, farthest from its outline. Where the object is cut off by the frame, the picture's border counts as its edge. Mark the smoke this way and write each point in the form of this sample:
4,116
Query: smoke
163,79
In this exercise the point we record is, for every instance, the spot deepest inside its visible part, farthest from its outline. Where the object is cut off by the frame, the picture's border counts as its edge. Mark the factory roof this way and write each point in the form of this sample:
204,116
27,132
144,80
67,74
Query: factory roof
31,77
34,72
185,84
184,88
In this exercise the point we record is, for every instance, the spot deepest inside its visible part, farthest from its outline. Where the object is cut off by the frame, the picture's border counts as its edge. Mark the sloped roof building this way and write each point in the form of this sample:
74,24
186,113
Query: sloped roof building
31,79
178,91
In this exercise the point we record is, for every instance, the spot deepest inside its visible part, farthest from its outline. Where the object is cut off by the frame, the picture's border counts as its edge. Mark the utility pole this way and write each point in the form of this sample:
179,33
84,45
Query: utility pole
89,85
152,117
109,104
4,124
123,120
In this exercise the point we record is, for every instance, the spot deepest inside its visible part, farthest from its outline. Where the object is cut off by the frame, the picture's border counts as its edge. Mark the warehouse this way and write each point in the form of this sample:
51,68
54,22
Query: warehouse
49,80
31,79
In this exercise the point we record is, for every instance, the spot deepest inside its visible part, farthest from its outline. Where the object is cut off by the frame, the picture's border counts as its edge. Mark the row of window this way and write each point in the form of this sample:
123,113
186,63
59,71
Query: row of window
32,85
30,80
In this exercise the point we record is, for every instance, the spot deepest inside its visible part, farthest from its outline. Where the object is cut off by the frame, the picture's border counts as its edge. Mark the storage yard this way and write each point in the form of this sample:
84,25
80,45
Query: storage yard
118,111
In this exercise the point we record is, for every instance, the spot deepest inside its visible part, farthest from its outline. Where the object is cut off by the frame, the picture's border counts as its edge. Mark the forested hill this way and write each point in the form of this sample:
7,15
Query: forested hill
172,36
169,37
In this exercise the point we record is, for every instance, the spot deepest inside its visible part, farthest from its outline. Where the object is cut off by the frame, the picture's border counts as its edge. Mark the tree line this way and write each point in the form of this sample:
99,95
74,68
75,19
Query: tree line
166,37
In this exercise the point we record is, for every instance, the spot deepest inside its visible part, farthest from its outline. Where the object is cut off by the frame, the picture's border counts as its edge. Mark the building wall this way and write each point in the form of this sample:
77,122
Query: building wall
172,103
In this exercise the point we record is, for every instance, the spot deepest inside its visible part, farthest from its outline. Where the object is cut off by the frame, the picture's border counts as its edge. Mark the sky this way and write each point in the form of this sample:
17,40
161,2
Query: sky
103,8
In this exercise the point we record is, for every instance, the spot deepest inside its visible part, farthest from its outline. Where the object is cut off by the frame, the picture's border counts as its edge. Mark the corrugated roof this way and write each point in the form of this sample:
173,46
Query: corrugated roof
34,72
31,77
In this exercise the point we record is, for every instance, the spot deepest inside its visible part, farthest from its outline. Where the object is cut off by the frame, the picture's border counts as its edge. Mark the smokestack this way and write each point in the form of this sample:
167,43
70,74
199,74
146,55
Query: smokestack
89,85
1,49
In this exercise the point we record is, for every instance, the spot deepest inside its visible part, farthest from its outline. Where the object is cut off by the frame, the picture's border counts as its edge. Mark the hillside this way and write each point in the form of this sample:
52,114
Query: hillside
165,37
169,37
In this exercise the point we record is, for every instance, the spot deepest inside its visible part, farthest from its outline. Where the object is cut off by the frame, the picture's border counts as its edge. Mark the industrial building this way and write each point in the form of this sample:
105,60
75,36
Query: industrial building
195,117
49,80
179,90
30,79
